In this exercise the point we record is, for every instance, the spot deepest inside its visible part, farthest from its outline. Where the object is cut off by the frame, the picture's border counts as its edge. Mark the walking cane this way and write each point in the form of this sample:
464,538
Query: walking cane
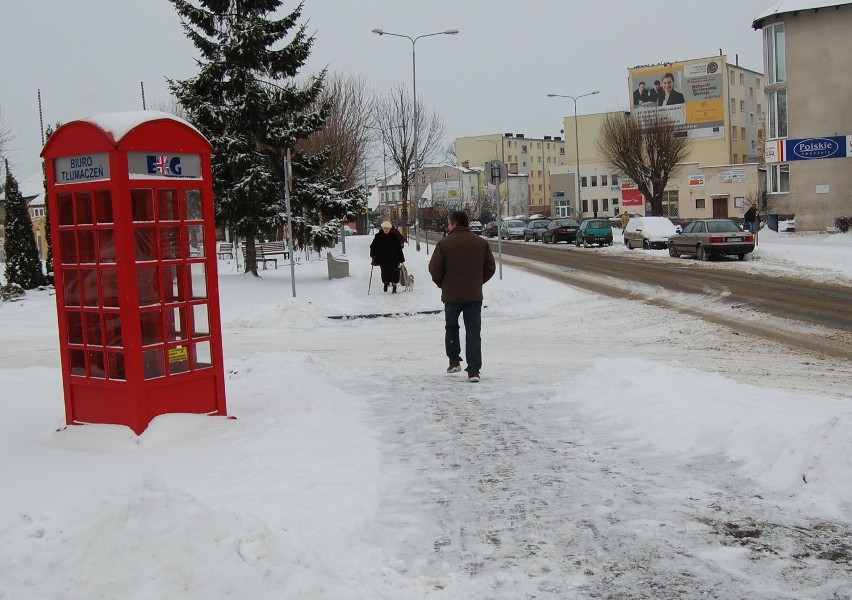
371,279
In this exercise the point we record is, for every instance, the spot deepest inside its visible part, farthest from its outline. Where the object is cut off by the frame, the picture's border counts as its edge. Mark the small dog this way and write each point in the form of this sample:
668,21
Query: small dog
409,284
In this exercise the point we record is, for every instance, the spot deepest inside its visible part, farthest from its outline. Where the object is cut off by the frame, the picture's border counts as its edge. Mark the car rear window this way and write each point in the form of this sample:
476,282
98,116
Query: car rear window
722,226
599,224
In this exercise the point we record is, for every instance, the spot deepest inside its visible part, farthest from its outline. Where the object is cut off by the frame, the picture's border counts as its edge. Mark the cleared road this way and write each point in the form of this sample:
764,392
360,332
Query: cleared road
805,315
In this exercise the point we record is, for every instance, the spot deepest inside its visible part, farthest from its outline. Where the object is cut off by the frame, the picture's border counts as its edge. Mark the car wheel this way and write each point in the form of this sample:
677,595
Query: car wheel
646,245
700,253
628,244
742,256
673,253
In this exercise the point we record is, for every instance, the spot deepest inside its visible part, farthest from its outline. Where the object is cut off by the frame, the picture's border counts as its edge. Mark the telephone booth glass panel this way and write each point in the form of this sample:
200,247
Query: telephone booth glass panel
171,280
87,263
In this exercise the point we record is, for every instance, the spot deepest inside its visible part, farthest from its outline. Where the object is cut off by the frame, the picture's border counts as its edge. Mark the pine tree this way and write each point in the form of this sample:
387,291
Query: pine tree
23,265
48,260
246,103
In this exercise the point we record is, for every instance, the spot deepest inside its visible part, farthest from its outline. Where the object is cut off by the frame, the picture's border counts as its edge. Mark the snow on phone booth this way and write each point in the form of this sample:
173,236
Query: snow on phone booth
130,197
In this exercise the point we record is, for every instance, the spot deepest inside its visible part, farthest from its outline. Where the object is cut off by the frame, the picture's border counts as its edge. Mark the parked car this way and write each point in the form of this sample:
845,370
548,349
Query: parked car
512,229
347,230
648,232
534,229
712,237
560,230
594,231
490,229
475,227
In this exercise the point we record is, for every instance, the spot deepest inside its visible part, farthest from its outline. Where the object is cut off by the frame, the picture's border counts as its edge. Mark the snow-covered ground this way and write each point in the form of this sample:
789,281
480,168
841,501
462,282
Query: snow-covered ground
357,469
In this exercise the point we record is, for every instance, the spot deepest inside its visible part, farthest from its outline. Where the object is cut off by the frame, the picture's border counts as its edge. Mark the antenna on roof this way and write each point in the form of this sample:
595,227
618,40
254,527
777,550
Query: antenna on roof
142,85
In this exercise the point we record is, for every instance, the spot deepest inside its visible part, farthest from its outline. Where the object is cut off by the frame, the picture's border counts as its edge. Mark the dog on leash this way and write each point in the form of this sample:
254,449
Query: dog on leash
409,284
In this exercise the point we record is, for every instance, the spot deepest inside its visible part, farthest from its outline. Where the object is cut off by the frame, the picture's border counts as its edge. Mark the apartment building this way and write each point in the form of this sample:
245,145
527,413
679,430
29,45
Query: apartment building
533,157
808,150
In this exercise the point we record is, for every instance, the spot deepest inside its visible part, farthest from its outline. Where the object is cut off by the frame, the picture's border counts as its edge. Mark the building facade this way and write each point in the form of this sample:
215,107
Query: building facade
533,157
808,150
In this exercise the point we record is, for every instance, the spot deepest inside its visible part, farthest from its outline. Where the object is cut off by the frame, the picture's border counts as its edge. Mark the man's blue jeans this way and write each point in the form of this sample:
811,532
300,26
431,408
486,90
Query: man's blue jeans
472,312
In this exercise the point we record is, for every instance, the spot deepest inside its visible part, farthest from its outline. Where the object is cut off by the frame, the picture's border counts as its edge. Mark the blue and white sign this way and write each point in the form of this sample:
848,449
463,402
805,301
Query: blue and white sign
83,168
816,148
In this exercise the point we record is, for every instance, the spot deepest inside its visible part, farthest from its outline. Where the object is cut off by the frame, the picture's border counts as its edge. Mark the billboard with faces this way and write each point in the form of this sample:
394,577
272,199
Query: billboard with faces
689,93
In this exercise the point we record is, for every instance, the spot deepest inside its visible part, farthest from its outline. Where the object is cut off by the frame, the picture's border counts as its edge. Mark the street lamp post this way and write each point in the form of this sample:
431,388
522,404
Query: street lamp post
413,41
576,139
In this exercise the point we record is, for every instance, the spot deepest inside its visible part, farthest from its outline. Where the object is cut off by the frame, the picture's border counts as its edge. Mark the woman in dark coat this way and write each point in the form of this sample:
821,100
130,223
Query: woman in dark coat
386,251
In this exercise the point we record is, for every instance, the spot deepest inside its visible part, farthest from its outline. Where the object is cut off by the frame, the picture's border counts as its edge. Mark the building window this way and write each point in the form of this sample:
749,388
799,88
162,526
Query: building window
562,151
742,105
774,47
585,206
758,82
736,158
742,78
779,178
778,114
603,180
751,118
605,204
539,159
583,182
739,202
751,93
699,204
743,135
38,212
671,203
733,78
733,132
733,105
524,149
594,181
615,180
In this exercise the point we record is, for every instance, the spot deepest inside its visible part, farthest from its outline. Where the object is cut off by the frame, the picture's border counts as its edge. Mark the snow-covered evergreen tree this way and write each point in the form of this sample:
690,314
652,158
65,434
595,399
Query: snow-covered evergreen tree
244,99
23,265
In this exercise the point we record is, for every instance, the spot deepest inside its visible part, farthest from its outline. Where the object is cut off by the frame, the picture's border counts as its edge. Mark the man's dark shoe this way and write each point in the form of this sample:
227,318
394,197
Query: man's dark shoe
386,287
454,367
473,376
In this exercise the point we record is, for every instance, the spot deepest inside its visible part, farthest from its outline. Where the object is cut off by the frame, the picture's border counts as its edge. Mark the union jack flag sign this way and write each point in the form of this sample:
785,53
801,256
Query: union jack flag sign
161,165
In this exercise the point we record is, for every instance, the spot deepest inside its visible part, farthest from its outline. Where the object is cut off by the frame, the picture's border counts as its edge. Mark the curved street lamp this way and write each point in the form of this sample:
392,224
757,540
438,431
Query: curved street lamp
576,138
413,41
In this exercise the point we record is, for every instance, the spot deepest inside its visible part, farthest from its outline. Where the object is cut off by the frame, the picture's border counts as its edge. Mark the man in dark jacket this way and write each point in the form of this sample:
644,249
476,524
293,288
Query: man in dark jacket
461,263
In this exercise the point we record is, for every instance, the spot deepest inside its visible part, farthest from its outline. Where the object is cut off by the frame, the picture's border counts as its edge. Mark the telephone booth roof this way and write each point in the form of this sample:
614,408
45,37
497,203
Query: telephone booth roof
129,130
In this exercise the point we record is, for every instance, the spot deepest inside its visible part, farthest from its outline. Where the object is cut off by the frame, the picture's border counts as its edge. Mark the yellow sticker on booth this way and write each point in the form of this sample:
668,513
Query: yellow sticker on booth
178,354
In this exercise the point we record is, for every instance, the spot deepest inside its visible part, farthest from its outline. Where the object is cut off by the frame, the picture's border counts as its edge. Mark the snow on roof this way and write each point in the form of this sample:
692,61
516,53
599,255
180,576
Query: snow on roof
120,123
780,7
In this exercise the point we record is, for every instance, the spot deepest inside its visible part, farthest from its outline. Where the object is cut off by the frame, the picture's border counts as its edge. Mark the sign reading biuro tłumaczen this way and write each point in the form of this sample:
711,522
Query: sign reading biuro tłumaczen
83,168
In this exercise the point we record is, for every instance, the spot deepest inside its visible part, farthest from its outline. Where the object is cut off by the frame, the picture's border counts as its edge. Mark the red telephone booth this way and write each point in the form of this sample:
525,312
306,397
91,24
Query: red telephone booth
134,246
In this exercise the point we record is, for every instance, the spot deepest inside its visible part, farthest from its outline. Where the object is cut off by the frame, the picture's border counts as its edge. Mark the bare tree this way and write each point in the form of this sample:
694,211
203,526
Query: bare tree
346,132
646,152
450,154
171,106
393,118
5,136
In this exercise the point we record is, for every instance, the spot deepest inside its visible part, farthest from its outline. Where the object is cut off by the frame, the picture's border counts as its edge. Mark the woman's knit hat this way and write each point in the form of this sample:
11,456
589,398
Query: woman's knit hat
386,225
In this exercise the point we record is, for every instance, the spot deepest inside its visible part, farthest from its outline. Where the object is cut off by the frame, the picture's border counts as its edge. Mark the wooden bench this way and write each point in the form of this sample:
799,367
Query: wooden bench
268,251
226,250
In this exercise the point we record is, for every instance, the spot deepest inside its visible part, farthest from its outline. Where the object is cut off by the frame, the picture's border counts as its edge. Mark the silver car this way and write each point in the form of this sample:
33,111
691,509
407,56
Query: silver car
712,237
512,229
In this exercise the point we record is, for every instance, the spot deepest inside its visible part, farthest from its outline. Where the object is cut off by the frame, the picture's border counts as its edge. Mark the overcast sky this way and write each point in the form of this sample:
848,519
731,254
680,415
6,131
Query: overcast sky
90,56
